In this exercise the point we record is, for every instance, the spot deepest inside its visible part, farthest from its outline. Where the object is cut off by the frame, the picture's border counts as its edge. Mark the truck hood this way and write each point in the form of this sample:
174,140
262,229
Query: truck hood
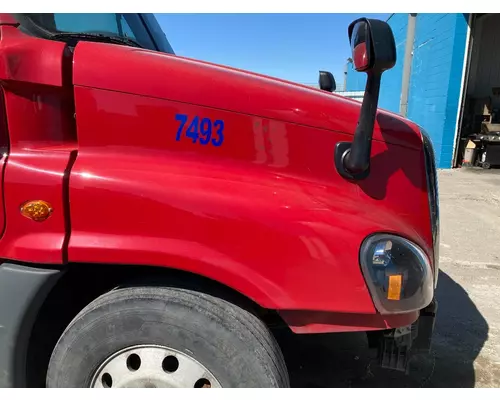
154,74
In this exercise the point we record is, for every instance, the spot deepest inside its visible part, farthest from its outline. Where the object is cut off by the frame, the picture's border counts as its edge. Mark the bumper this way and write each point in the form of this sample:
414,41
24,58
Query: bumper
22,291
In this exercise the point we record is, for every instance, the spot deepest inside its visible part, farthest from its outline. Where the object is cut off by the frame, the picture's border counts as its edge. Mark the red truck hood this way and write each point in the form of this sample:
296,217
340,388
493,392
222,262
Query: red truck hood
154,74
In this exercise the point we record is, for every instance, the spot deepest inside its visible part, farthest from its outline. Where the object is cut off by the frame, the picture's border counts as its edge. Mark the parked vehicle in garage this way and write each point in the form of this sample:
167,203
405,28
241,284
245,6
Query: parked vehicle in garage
163,215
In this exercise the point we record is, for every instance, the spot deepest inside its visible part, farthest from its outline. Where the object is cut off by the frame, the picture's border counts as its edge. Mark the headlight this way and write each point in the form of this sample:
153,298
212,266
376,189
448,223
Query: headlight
397,272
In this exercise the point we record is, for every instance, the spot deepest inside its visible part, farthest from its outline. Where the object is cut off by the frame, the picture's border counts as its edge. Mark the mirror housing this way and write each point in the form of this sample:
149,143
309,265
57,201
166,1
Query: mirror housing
372,45
373,51
327,81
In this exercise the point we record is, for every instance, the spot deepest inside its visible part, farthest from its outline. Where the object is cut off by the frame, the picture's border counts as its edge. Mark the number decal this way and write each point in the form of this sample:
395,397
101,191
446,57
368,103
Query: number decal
192,131
204,131
183,118
219,125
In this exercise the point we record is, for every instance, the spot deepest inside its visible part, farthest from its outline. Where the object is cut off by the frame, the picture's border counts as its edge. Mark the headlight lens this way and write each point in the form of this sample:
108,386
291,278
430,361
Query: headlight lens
398,274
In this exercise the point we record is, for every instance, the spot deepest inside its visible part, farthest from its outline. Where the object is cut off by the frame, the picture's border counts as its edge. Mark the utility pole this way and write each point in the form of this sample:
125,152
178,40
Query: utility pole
405,85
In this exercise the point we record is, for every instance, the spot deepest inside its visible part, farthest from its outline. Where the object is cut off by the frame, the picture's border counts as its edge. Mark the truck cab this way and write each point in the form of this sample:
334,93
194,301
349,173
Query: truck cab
162,214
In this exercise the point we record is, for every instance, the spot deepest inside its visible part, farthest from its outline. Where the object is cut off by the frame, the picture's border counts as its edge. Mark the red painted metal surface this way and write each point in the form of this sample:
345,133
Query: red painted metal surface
7,19
26,59
34,175
189,81
41,138
266,213
328,322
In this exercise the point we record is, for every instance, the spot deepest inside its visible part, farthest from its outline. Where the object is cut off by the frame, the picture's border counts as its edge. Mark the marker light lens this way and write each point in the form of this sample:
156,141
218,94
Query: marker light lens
37,210
394,292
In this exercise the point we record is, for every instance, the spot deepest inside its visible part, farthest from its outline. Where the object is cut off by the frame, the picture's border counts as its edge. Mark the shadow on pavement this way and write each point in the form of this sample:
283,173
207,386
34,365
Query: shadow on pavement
343,360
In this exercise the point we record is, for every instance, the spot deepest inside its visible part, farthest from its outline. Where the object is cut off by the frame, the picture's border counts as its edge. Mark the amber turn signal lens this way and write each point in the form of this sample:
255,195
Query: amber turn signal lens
37,210
394,291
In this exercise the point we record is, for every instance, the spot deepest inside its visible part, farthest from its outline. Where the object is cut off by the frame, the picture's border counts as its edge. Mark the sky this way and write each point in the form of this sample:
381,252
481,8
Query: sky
289,46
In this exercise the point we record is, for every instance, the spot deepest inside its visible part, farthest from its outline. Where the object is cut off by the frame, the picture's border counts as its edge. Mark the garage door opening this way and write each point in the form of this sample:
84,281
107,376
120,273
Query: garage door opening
478,138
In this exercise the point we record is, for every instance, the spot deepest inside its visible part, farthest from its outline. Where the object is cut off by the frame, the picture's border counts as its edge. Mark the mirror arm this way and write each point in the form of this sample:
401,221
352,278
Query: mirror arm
352,159
357,159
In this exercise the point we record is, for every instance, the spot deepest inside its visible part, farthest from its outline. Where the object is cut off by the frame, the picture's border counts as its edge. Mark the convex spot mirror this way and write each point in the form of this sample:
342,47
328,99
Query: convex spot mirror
327,81
372,45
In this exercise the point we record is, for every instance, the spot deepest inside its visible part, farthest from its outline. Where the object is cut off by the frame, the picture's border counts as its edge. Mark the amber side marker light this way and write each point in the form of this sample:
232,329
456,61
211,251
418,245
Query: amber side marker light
36,210
394,291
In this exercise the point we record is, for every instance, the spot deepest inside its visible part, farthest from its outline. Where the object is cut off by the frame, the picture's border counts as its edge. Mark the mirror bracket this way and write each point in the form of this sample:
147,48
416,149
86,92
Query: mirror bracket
342,150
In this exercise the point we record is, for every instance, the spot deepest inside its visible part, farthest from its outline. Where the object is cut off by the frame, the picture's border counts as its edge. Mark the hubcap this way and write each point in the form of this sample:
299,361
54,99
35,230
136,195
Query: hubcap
152,366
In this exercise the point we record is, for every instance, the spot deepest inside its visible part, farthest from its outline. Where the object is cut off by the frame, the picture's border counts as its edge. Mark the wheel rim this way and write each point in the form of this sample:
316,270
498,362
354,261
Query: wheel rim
151,366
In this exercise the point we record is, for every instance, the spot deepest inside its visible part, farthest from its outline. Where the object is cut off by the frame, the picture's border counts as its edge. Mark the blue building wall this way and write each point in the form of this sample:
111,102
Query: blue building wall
435,81
436,75
356,81
390,88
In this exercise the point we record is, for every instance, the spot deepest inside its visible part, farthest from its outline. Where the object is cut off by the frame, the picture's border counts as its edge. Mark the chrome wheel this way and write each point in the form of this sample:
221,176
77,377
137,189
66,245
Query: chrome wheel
152,366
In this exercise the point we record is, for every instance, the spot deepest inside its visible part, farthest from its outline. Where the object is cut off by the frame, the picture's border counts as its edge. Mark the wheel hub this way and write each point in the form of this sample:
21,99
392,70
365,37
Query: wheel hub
152,366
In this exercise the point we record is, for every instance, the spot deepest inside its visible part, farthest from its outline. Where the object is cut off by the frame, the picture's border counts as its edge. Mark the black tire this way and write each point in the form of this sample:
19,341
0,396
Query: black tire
235,345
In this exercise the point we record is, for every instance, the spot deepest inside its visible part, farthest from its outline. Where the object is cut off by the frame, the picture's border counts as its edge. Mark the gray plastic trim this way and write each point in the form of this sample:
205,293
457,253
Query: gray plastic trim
22,292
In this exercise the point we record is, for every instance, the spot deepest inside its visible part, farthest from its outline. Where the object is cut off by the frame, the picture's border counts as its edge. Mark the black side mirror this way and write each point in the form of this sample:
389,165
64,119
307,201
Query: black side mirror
327,81
372,45
373,51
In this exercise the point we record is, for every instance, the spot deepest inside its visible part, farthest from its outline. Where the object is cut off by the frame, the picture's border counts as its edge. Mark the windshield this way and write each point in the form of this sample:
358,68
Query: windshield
140,28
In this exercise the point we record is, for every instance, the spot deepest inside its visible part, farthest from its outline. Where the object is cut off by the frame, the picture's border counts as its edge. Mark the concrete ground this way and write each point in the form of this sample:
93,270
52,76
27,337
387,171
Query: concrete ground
466,344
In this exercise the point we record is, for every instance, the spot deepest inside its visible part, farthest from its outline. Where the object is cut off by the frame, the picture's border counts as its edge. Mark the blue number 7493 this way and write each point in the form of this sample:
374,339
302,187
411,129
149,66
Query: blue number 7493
201,130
